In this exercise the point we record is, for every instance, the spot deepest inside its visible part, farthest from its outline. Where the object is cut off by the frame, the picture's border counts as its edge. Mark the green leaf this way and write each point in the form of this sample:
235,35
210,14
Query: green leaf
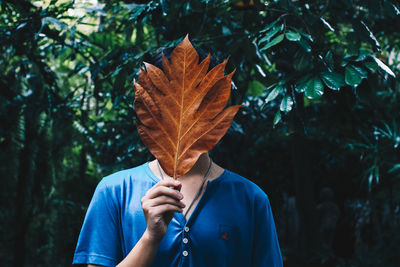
363,54
260,70
395,168
327,24
273,94
371,36
293,36
314,88
384,67
270,34
390,9
333,80
275,41
256,88
329,57
305,35
352,76
303,43
371,65
301,85
344,63
135,10
286,104
269,26
277,118
363,73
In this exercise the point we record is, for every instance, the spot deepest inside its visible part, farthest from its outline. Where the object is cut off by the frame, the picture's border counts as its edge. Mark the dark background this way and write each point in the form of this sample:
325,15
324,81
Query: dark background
319,130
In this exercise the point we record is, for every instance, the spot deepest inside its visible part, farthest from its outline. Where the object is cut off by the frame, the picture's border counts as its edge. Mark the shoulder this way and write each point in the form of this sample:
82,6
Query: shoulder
133,175
243,186
139,173
121,187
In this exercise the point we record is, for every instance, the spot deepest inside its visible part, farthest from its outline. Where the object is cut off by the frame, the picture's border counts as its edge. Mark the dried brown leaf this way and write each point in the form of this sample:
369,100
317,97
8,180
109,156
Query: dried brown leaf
181,109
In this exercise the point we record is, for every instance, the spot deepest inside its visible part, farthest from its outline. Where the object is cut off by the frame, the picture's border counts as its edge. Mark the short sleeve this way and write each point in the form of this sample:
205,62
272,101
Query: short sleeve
99,241
266,251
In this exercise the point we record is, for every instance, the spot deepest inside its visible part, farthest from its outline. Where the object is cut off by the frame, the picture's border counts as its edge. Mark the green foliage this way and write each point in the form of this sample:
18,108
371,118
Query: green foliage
286,104
333,80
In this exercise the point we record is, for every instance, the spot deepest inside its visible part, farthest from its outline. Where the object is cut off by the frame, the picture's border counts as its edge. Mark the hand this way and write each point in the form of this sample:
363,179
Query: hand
159,205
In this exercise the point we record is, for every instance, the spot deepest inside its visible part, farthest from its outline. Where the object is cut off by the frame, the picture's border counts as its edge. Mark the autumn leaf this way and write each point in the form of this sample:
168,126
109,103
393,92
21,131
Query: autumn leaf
182,108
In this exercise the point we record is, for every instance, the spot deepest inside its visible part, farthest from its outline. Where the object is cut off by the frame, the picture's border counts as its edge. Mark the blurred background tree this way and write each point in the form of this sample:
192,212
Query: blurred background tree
319,130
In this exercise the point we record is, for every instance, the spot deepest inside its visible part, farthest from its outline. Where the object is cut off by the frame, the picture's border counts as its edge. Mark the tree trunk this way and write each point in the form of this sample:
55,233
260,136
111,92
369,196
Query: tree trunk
24,190
302,167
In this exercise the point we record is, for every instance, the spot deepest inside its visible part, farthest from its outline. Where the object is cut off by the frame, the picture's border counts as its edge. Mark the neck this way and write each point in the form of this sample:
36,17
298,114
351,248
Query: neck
201,165
199,169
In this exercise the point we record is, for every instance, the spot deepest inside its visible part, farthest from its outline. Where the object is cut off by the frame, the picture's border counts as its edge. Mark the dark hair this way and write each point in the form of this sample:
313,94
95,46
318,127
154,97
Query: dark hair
156,60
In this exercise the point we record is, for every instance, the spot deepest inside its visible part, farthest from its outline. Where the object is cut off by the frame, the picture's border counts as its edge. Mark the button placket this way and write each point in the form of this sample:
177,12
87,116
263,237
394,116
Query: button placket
185,241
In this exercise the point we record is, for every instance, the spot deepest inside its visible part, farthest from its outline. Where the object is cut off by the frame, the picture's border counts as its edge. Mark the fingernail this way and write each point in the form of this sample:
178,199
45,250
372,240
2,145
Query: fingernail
176,182
180,195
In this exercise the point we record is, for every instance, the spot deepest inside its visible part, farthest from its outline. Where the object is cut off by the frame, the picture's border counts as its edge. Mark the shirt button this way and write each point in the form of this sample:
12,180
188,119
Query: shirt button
185,253
185,240
186,229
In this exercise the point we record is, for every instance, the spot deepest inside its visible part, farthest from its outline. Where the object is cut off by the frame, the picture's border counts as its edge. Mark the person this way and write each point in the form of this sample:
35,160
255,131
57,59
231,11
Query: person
208,217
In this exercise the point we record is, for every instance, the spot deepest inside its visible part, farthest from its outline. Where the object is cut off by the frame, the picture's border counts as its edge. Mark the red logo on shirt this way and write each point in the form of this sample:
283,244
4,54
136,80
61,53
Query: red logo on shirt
224,236
225,232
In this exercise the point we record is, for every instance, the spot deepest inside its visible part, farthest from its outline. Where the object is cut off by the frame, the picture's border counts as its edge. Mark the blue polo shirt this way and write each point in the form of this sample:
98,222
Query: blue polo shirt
232,224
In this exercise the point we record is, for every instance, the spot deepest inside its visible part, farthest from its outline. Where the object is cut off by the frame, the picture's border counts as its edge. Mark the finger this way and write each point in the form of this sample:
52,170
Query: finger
168,182
162,190
160,200
166,208
178,187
